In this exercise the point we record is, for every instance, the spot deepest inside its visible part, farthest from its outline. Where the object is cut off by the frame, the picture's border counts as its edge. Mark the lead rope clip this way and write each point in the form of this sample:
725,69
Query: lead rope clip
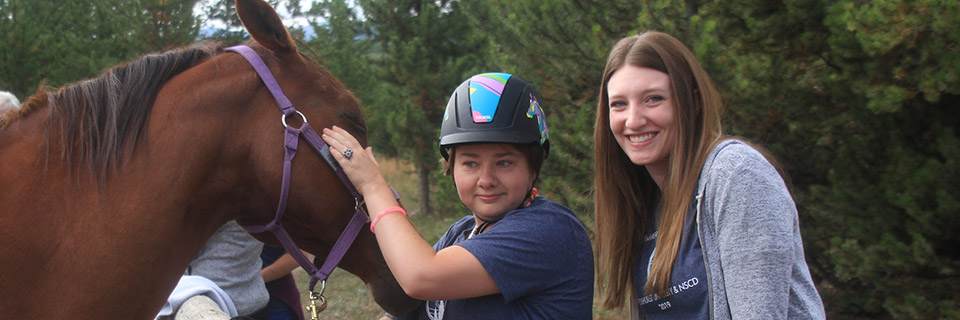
314,308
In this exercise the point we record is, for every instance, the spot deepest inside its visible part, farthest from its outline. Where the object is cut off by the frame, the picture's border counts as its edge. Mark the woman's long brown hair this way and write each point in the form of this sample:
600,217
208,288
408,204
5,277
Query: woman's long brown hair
625,194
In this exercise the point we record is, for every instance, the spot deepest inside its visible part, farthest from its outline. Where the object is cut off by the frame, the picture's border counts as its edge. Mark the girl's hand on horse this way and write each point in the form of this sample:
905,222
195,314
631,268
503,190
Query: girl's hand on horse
361,166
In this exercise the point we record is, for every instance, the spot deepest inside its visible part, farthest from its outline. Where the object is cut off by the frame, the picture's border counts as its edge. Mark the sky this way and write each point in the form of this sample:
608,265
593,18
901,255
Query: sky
281,10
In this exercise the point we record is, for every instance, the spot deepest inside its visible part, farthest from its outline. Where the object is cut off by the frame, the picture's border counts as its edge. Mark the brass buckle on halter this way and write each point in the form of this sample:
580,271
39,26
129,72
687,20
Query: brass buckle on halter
313,308
359,204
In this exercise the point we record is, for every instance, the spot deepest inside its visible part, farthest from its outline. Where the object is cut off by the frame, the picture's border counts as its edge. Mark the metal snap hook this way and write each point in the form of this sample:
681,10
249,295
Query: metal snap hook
315,308
323,286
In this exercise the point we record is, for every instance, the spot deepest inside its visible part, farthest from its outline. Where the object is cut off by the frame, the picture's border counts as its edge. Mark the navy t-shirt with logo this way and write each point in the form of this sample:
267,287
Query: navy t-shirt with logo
687,296
541,259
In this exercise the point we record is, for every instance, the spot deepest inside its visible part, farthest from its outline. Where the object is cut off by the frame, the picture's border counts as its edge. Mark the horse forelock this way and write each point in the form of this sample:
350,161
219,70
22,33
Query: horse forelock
356,123
100,120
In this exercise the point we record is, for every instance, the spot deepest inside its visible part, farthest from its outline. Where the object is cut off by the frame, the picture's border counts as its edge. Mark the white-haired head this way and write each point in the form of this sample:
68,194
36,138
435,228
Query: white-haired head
8,102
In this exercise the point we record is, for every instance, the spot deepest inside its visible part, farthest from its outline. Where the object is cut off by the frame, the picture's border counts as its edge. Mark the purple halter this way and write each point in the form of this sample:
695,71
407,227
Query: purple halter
291,140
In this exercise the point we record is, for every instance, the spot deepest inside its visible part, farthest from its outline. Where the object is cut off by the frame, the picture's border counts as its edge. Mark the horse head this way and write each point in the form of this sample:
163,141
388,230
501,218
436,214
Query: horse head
318,206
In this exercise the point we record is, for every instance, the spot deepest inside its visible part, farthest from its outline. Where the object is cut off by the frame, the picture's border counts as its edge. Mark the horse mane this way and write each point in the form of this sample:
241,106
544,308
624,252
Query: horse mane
100,118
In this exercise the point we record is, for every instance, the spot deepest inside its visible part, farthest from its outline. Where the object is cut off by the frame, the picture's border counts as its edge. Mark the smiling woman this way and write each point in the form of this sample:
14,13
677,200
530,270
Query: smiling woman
642,117
691,224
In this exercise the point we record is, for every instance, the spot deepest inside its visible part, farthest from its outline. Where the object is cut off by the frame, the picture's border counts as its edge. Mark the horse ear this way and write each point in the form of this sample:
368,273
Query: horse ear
265,26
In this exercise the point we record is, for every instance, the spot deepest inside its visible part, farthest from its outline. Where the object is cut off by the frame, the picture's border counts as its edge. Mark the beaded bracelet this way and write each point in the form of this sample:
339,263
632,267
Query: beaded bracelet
385,212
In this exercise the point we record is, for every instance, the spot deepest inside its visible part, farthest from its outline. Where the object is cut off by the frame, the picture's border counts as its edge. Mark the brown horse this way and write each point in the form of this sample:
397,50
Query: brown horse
110,186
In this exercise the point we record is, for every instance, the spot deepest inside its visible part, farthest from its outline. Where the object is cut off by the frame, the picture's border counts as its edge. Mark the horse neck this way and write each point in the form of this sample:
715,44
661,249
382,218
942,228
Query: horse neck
139,228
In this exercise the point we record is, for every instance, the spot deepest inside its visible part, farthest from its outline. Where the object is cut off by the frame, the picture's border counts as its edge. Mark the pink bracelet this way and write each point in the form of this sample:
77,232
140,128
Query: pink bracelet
385,212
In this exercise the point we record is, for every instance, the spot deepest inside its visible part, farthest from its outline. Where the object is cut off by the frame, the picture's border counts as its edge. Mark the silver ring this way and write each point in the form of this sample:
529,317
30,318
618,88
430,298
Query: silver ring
347,154
283,118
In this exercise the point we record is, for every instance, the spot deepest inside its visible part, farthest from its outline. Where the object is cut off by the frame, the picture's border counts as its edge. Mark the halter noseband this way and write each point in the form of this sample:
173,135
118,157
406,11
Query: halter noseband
291,140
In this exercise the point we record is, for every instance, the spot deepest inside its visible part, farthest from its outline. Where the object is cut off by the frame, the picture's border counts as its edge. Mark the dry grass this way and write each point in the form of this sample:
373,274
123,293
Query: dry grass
347,297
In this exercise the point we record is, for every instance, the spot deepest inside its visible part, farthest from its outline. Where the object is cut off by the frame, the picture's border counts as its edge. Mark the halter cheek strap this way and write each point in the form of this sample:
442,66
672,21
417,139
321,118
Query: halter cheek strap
290,142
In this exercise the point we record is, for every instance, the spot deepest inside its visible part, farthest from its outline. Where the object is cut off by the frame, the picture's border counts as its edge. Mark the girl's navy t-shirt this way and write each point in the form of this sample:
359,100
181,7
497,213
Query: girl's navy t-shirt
539,256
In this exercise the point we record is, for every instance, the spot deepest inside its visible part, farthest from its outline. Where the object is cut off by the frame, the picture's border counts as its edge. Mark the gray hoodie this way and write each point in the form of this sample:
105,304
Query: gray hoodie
750,236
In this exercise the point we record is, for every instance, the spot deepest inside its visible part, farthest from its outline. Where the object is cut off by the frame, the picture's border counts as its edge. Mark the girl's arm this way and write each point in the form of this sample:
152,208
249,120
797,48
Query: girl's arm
426,274
283,266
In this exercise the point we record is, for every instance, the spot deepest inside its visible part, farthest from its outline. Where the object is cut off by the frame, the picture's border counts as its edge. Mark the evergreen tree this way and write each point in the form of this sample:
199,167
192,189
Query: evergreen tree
560,47
222,14
343,43
342,40
170,23
427,50
58,42
857,99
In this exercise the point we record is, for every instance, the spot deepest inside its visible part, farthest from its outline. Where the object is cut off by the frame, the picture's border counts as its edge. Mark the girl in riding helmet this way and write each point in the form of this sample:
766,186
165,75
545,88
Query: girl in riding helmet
518,255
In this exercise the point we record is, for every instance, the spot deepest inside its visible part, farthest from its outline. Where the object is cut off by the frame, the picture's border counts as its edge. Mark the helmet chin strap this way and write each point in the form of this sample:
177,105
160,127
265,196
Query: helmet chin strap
530,195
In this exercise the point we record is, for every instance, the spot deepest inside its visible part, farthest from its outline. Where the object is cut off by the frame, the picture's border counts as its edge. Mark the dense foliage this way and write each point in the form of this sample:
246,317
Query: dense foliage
857,99
859,102
56,42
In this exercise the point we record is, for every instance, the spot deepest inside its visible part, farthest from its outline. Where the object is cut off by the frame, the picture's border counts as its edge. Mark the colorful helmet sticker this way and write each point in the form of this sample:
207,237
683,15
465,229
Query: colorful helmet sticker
541,119
485,91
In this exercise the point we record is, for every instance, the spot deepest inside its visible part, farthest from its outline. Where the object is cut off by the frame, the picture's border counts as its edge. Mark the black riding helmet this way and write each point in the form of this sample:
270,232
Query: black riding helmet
494,108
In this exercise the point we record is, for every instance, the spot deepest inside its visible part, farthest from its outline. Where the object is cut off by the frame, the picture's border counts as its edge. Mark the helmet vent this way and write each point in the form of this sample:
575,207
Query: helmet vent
485,92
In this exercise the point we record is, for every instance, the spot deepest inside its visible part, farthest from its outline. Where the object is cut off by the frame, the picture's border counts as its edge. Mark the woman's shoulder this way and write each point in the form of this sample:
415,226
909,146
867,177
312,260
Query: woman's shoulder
734,155
736,164
736,167
734,151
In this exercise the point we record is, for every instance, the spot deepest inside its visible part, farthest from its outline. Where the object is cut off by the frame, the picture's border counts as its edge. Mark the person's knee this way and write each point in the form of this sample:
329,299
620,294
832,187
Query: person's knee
200,307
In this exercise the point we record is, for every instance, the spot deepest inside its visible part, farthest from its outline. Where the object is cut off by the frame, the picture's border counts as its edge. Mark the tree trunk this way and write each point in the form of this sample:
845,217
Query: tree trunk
423,177
692,7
